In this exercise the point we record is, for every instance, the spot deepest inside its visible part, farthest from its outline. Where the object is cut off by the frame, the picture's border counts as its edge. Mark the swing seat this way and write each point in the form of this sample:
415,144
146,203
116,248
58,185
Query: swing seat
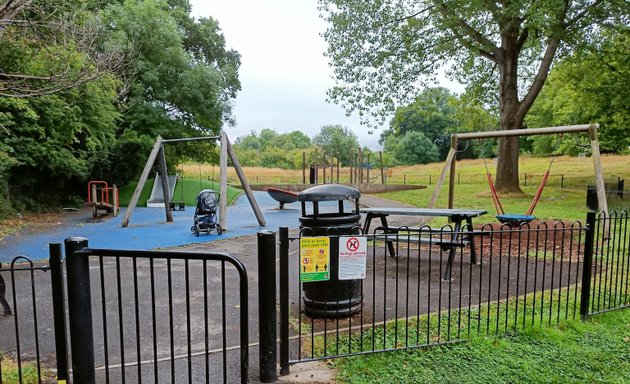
514,220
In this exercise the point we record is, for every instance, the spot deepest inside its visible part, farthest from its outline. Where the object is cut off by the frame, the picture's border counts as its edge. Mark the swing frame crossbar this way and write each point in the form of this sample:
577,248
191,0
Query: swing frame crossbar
450,163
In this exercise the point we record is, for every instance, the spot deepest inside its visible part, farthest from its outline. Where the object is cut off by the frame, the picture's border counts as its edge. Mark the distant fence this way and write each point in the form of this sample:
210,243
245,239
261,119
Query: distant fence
525,179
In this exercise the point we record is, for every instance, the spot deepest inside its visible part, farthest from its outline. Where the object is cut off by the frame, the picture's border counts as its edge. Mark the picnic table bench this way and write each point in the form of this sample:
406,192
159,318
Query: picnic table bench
457,238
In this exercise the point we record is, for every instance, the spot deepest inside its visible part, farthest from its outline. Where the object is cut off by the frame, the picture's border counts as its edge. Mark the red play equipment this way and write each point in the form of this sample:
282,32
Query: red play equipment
514,220
103,203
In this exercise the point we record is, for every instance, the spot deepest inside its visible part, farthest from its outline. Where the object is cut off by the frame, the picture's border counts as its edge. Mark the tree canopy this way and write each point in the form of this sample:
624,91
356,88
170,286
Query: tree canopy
382,51
85,87
337,141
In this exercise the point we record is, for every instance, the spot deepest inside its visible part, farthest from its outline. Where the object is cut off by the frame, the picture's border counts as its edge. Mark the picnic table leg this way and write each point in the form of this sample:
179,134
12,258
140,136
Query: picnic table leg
473,247
390,243
366,225
451,252
3,300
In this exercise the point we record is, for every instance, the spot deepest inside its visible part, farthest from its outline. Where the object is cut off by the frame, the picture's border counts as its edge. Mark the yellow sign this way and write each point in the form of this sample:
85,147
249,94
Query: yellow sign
314,259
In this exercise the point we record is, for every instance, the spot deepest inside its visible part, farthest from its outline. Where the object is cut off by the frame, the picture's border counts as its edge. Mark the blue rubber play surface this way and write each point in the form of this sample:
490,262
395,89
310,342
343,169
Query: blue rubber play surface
148,228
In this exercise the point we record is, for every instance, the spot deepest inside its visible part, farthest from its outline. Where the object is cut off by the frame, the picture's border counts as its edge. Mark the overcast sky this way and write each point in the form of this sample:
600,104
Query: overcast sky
284,74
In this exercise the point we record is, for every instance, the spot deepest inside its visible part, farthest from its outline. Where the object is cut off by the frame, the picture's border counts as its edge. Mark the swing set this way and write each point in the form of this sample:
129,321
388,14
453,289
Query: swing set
515,220
158,154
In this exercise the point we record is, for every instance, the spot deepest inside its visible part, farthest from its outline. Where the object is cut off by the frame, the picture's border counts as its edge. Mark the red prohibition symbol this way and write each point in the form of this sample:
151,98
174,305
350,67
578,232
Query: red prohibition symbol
352,244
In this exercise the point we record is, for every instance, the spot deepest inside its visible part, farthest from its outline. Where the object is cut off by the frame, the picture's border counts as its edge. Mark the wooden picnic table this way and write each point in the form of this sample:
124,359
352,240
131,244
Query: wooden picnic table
457,238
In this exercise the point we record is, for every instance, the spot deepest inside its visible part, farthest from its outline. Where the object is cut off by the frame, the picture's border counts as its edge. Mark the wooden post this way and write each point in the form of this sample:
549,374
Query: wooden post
116,201
245,183
316,168
451,182
338,160
440,180
143,179
360,165
351,167
599,175
324,167
303,167
367,169
166,191
223,182
380,158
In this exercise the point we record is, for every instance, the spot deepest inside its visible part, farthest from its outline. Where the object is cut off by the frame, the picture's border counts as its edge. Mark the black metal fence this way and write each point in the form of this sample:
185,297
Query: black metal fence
610,283
133,316
27,345
526,276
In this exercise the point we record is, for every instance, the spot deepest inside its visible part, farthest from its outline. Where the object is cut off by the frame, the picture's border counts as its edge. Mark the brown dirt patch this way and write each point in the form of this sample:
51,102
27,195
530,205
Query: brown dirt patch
37,221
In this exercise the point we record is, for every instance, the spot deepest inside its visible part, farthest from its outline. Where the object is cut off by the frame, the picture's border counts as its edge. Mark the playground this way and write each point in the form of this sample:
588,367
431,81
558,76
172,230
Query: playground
148,230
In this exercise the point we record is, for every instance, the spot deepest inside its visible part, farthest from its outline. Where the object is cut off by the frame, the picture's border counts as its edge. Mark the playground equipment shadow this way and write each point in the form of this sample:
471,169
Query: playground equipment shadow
148,228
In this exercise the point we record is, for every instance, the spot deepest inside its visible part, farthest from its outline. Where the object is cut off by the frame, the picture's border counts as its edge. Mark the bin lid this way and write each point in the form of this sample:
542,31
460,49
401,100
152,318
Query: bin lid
328,192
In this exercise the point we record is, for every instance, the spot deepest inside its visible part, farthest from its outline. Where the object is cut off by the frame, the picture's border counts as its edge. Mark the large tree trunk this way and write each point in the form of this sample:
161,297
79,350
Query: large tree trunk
510,116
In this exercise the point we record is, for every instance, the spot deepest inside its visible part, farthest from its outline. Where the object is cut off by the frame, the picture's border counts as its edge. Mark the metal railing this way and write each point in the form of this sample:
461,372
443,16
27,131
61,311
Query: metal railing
135,316
157,316
610,283
527,276
27,347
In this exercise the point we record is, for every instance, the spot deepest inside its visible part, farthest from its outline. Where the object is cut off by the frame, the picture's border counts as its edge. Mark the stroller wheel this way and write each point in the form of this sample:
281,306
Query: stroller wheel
197,230
219,229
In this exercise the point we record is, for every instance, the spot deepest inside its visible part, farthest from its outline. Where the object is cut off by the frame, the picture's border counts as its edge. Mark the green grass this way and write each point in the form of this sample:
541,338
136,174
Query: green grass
185,190
574,351
29,372
555,203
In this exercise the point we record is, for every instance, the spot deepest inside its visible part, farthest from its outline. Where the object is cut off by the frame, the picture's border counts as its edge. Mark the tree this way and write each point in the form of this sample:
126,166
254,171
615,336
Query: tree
337,140
413,148
590,85
437,114
48,47
183,77
381,51
58,141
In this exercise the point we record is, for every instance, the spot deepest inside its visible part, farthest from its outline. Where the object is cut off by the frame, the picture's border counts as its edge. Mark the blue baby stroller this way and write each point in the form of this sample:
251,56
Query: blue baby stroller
206,213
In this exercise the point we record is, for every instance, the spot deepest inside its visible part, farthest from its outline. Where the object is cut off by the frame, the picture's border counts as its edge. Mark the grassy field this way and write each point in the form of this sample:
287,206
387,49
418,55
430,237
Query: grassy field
613,166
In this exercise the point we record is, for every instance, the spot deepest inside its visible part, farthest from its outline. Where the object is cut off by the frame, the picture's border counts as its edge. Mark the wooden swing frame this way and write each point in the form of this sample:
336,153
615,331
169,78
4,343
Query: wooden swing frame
157,153
450,163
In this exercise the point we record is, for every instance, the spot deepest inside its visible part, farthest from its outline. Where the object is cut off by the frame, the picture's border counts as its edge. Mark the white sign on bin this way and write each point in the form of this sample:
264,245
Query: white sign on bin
352,257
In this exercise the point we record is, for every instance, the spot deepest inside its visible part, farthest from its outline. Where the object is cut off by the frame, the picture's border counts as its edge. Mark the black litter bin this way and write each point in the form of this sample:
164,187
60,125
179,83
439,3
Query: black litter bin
334,297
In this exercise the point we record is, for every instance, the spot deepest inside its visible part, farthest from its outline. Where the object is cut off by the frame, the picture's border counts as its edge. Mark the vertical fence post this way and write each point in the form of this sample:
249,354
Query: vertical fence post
526,179
80,311
59,311
267,305
284,300
562,181
589,246
303,168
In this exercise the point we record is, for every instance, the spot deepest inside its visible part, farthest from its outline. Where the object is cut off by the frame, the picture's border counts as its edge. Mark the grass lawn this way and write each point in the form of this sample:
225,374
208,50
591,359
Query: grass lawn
555,203
574,351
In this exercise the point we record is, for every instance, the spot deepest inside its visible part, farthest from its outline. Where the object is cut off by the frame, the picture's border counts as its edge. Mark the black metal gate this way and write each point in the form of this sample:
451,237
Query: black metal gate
133,316
156,316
